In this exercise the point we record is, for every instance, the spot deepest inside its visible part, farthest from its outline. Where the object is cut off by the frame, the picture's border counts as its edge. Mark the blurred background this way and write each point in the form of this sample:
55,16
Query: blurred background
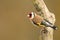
14,24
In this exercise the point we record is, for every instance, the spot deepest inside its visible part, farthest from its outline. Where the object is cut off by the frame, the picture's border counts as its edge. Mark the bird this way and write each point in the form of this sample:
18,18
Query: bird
40,21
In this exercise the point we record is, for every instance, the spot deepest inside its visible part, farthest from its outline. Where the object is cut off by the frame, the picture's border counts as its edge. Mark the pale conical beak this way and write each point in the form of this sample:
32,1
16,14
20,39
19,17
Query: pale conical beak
28,16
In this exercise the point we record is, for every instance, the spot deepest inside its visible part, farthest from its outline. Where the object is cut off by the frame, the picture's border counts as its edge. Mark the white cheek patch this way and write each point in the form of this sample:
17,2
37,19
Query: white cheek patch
32,15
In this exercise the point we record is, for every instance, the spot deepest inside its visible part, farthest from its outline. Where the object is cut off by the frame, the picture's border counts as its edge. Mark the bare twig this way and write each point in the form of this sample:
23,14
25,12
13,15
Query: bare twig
47,32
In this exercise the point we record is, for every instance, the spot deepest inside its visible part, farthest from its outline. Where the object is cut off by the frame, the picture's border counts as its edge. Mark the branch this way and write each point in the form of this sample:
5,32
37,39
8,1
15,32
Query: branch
46,32
42,8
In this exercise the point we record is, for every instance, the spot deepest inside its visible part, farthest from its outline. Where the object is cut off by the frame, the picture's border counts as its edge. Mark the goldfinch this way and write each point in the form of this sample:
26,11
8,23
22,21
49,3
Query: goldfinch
40,21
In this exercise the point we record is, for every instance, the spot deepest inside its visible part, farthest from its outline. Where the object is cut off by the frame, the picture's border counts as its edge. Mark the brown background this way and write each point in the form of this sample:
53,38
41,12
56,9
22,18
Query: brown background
14,24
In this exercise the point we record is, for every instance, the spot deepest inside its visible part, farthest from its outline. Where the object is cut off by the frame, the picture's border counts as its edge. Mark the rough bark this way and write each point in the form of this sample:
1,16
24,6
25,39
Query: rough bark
46,32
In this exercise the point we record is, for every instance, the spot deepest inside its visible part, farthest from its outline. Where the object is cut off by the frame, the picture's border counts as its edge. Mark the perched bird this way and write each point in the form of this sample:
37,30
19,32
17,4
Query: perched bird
40,21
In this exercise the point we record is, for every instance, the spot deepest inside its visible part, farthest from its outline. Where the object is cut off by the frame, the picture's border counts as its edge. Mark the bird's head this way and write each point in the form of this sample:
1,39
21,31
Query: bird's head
31,15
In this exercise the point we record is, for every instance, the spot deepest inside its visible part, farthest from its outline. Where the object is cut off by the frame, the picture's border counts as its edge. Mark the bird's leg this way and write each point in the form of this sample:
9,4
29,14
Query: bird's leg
44,30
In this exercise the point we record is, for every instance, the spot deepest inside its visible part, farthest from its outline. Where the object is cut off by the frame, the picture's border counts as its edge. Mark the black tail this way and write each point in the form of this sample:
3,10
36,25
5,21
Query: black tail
54,27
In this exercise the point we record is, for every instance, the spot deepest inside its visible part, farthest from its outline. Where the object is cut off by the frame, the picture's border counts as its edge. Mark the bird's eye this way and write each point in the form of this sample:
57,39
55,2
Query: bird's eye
30,15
